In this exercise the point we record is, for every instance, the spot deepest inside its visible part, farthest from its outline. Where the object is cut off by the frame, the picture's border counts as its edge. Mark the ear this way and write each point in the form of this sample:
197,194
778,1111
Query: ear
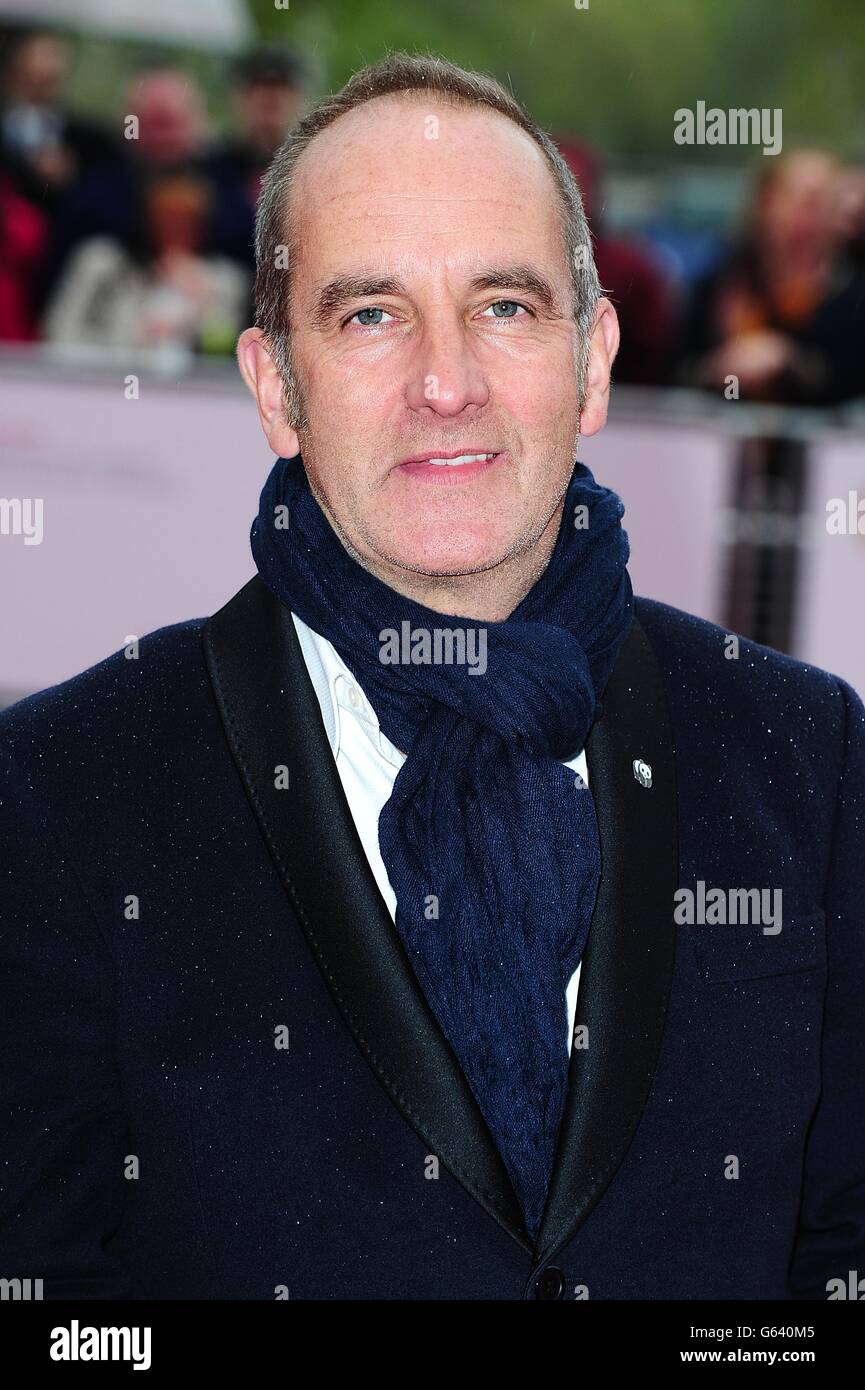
603,346
261,374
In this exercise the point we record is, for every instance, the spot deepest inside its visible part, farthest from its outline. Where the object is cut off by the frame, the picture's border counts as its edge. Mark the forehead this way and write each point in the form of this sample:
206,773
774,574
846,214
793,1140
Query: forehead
407,181
805,173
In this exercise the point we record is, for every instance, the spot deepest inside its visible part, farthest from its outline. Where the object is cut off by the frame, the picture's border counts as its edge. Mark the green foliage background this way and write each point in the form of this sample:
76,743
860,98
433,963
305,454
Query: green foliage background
614,73
617,71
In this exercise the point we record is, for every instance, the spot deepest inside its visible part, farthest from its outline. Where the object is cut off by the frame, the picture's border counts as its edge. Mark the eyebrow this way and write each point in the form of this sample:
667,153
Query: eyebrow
524,280
343,289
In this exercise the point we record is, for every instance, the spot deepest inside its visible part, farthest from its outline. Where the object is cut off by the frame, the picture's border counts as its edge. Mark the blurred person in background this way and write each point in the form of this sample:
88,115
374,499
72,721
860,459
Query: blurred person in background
631,277
784,314
44,148
44,151
162,290
851,212
270,95
170,137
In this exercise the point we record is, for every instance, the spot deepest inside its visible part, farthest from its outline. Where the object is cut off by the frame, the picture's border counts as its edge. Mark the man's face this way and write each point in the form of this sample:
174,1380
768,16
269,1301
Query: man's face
268,110
40,70
799,210
171,125
432,316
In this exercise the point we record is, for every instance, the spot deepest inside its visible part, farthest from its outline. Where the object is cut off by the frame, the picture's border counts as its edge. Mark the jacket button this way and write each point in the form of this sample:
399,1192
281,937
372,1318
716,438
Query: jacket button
550,1283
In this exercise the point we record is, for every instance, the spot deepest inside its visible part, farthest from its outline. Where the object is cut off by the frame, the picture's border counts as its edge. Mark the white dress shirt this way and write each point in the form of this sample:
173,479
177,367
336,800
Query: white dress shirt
368,763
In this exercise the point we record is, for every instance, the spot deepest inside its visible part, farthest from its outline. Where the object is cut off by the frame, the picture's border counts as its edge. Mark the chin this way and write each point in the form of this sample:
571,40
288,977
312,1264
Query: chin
452,552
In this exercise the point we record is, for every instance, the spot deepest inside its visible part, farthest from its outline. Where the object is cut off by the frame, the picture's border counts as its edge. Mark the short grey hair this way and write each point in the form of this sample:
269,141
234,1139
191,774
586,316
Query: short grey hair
430,76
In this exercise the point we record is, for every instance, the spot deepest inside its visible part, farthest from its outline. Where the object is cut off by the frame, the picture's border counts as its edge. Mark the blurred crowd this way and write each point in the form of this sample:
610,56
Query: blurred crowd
143,237
779,318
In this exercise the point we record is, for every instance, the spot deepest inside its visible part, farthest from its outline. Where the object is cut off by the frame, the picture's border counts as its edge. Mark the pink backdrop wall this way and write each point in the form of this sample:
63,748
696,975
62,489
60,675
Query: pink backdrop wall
148,503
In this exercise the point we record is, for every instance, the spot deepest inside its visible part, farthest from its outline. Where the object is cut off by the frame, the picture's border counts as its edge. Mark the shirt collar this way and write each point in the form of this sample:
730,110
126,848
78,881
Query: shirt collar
339,694
341,697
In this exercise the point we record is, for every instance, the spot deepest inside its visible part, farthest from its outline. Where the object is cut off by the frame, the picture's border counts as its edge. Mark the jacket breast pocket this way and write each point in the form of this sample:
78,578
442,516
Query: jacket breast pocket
745,952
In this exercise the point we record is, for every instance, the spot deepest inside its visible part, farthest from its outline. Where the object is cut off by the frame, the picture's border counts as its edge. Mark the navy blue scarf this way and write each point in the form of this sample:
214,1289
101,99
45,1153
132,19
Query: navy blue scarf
490,843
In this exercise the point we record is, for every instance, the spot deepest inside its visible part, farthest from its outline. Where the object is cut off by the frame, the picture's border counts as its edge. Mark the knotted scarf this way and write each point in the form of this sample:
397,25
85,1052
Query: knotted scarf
490,843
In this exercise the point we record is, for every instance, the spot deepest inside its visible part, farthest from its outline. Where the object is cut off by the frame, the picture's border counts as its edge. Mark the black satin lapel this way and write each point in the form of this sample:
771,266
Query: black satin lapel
628,962
272,717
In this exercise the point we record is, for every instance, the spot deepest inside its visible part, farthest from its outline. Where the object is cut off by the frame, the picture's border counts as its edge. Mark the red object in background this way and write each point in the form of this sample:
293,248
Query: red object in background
630,277
641,299
23,239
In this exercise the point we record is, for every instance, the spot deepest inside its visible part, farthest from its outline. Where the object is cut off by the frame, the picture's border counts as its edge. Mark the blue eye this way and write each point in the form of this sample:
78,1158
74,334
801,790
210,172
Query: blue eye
505,308
369,322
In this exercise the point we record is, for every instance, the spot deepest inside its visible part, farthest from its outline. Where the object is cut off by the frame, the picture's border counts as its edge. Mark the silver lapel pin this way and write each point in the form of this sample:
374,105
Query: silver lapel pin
642,772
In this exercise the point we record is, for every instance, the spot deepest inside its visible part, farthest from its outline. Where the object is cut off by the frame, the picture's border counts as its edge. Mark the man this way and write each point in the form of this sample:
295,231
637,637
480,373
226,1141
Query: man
270,91
167,141
46,151
43,145
349,947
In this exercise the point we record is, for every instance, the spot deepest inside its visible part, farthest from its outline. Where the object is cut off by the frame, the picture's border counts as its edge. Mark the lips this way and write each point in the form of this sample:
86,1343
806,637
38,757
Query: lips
452,457
450,465
460,459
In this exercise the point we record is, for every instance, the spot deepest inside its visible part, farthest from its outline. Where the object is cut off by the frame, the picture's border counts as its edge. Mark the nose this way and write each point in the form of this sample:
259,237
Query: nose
446,376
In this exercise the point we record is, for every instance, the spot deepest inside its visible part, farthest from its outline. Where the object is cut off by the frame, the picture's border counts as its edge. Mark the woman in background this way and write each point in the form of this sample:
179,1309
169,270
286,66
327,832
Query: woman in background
785,313
167,292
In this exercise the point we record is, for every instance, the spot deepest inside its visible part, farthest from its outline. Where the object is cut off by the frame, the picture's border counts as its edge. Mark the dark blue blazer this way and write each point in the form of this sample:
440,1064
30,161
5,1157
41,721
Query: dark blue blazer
171,913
